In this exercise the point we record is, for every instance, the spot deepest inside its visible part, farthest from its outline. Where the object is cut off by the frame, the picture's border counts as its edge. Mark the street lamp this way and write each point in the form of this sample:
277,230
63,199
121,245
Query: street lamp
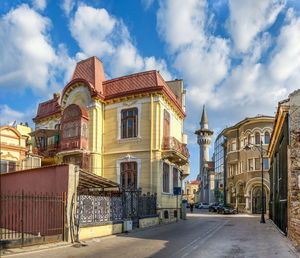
261,150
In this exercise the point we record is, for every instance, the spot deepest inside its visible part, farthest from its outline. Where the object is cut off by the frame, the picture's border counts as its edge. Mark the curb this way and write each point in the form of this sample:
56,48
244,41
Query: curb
32,249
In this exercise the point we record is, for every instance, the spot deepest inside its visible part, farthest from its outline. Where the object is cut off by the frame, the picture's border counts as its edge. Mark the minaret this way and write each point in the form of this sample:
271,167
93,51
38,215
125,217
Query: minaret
204,140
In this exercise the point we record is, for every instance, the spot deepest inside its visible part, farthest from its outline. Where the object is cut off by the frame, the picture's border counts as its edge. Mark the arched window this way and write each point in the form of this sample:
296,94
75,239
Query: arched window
267,137
129,174
257,138
249,138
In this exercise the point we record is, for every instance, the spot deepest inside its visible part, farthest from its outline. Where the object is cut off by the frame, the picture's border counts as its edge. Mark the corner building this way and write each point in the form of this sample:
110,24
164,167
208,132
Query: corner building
284,172
128,130
243,167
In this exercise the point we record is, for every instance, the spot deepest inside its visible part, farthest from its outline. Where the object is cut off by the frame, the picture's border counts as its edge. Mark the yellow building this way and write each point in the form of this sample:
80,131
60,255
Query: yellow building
127,129
190,191
15,149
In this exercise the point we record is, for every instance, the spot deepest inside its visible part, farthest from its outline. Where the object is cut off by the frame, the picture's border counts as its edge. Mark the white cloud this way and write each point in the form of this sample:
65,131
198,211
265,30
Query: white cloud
286,61
8,115
248,18
92,28
99,33
201,58
39,4
147,3
180,24
67,6
29,59
234,84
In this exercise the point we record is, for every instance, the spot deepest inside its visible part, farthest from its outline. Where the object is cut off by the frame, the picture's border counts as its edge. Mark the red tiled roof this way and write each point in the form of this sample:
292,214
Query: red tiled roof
130,82
91,71
48,108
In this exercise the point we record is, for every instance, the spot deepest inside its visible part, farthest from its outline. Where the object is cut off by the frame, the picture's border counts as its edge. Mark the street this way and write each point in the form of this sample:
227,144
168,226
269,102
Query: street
203,234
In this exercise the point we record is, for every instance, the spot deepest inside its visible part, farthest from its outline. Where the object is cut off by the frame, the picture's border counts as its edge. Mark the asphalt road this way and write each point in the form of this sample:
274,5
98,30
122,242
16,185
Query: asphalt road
203,235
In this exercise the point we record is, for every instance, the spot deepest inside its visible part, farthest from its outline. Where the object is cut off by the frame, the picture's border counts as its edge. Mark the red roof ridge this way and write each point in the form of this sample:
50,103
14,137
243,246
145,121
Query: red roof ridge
129,76
88,59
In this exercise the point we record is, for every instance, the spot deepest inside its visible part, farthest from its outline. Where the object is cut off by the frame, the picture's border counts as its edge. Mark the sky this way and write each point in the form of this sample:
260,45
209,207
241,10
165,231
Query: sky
239,58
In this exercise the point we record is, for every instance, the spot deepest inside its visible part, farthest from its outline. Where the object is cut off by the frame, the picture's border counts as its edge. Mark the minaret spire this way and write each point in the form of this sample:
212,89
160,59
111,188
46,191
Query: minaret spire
204,140
204,120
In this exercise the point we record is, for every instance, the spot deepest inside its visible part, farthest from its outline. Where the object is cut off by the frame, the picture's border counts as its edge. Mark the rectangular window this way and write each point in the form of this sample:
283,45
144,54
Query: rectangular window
128,174
129,123
257,164
266,163
233,146
175,177
7,166
166,187
12,166
3,166
250,164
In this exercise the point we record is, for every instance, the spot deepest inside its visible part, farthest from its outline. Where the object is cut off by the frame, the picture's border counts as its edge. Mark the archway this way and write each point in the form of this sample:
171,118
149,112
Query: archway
257,201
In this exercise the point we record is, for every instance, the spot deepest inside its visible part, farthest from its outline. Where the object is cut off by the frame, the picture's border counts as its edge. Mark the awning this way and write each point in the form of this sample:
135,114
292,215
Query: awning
91,181
44,133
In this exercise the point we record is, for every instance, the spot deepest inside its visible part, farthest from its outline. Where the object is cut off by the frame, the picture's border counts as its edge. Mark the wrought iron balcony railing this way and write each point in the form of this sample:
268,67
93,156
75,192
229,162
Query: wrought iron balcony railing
171,143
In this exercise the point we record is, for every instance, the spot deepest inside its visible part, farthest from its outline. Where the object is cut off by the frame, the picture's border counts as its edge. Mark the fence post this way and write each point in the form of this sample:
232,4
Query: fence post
63,216
22,219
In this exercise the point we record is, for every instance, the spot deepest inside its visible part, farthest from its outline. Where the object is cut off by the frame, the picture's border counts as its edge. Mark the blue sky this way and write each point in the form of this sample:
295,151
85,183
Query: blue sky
238,57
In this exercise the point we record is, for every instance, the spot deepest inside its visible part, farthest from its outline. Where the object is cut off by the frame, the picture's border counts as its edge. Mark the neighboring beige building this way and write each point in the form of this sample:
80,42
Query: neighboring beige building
243,167
191,190
15,149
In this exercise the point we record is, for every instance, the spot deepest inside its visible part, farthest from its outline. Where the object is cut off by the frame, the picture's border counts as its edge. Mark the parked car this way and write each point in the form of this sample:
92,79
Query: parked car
213,207
226,209
203,205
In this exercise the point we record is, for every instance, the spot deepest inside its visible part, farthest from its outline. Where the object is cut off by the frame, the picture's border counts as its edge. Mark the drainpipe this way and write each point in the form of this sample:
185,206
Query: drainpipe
151,139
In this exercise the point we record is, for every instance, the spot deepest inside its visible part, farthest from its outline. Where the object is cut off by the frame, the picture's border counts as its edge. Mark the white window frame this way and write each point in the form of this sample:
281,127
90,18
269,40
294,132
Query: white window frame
119,112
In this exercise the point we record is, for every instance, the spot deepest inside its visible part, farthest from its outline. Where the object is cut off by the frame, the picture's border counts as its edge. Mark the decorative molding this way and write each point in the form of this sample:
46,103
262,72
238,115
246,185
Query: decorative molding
9,155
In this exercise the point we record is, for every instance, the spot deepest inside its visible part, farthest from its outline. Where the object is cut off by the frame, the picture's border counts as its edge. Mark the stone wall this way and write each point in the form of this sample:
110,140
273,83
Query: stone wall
294,170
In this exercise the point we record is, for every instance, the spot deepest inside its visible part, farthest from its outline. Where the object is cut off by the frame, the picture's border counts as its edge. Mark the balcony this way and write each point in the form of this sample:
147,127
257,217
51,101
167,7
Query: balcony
175,151
46,142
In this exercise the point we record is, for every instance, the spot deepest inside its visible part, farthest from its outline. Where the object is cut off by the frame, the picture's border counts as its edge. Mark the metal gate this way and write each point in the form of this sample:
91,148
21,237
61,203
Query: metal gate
131,205
27,219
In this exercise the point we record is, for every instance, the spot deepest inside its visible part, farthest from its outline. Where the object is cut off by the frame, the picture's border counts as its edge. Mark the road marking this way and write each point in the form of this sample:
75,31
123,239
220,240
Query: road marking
198,241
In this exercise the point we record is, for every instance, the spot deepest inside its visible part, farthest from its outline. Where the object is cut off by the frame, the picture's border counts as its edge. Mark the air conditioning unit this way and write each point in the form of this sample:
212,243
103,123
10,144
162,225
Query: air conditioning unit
127,225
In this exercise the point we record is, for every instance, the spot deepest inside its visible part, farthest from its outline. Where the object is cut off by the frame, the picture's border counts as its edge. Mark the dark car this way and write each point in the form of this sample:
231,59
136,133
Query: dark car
213,207
226,209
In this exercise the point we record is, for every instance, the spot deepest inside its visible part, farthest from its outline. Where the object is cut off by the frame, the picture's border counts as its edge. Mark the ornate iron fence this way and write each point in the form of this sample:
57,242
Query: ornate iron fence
99,208
103,207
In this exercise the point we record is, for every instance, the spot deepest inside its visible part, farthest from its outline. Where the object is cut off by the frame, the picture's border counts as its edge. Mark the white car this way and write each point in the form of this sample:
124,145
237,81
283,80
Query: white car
203,205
